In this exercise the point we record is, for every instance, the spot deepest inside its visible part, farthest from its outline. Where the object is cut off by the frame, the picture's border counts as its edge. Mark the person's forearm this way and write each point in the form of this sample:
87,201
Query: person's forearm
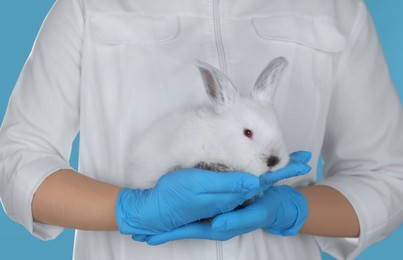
330,213
72,200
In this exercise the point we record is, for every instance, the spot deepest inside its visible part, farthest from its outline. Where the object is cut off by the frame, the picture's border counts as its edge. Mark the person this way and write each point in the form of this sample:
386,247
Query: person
110,68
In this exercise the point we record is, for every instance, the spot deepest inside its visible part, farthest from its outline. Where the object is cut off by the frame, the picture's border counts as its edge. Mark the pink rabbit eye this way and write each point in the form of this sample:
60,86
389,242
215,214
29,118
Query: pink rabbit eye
248,133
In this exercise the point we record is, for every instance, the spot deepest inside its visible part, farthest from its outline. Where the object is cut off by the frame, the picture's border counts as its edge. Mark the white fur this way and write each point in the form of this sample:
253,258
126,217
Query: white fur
213,133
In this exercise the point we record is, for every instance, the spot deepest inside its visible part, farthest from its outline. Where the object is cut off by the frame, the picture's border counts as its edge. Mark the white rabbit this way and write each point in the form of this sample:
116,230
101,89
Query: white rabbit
232,133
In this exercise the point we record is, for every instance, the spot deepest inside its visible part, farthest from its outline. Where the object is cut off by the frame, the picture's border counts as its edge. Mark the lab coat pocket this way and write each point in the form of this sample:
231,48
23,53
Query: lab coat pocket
319,33
311,44
126,28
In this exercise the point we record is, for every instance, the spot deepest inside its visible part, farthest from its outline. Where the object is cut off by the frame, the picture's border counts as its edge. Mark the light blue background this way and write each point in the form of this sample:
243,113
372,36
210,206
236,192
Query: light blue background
20,21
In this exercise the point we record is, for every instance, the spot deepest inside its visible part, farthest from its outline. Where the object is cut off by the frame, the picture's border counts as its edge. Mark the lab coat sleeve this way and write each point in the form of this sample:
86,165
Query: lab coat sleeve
42,117
363,146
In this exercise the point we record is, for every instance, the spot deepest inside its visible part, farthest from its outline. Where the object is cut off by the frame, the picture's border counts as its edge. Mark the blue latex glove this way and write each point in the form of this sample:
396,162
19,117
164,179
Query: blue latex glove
280,210
298,165
181,197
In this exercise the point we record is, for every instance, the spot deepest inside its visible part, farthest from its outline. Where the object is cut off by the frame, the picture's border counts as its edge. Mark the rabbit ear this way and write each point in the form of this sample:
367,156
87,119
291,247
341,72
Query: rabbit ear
267,82
218,86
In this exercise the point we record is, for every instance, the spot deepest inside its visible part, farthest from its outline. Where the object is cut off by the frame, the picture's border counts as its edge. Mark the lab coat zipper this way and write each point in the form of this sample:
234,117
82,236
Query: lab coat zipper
223,68
219,250
218,36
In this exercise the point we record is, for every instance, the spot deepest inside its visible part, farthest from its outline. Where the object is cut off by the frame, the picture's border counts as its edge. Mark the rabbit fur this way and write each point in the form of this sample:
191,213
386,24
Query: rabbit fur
215,134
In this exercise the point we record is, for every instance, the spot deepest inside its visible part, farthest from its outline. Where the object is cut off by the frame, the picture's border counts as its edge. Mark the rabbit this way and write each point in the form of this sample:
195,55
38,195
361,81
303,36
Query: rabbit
229,133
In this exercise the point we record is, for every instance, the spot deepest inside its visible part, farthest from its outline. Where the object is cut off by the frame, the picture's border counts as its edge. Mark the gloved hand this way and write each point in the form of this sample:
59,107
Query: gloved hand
298,165
181,197
280,210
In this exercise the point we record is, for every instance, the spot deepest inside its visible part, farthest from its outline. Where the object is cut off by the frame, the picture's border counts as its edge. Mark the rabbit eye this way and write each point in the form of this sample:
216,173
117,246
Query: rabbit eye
248,133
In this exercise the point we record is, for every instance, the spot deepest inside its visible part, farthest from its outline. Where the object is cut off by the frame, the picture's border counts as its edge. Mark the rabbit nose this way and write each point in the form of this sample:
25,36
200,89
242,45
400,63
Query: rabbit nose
272,161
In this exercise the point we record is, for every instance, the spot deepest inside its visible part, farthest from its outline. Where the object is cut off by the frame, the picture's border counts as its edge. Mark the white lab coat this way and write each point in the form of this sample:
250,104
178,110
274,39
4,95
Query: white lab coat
108,68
